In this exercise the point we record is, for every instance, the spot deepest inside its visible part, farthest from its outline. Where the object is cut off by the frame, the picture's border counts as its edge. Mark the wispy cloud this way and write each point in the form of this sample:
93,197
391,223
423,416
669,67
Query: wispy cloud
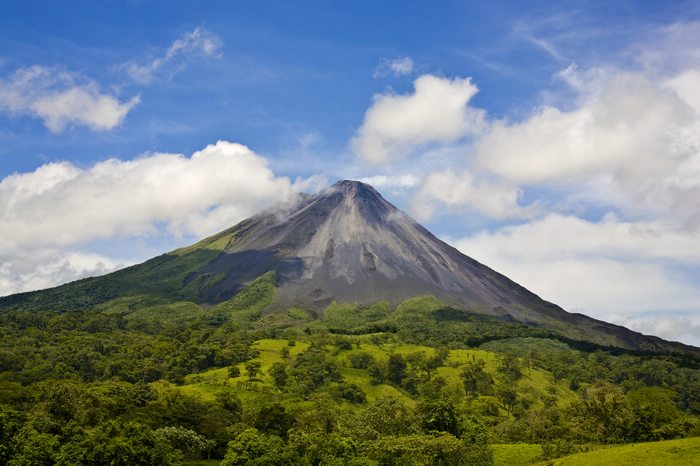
400,66
196,44
62,98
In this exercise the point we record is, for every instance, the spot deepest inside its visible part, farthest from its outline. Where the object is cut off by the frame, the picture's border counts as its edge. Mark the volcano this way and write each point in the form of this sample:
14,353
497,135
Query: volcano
345,244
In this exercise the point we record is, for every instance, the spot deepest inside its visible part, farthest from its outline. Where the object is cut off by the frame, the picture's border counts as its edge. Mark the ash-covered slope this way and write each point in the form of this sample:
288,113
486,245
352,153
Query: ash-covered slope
349,244
346,243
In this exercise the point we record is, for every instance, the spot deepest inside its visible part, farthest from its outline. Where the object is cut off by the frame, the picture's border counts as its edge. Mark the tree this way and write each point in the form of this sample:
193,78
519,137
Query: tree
231,403
252,368
251,445
360,360
476,380
278,372
234,371
602,414
396,369
274,419
510,368
189,442
440,415
656,416
313,368
377,372
351,392
443,449
383,417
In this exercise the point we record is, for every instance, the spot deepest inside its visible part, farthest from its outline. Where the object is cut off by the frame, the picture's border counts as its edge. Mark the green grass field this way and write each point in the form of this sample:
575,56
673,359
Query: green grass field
515,454
682,452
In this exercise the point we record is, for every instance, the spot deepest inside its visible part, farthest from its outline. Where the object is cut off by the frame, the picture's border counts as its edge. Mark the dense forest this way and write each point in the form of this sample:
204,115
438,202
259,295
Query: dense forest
139,381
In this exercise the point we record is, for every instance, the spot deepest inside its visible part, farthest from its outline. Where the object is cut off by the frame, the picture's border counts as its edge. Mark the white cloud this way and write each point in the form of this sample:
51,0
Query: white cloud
214,188
401,66
42,268
196,44
679,327
635,140
598,268
404,181
437,111
62,207
559,236
460,189
629,129
61,98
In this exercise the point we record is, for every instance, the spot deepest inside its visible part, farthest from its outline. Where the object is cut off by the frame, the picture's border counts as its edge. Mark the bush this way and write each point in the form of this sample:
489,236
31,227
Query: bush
360,360
351,392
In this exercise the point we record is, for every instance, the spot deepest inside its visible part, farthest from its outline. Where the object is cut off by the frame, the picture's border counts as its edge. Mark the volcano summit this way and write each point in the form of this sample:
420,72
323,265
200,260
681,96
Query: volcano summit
345,244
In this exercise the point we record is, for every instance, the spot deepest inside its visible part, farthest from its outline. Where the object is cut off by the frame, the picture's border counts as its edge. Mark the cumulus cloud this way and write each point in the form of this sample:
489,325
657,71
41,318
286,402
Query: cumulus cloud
392,181
401,66
436,111
635,140
682,327
629,129
61,207
460,189
595,267
196,44
196,195
61,98
43,268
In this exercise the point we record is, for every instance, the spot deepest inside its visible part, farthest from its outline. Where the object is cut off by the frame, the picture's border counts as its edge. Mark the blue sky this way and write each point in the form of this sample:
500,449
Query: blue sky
555,142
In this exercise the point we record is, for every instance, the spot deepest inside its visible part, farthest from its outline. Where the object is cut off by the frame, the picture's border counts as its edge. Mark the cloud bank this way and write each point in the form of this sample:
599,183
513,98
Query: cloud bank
60,206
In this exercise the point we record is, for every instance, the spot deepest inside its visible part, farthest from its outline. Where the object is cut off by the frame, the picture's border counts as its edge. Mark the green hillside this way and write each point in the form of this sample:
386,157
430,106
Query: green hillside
143,380
684,452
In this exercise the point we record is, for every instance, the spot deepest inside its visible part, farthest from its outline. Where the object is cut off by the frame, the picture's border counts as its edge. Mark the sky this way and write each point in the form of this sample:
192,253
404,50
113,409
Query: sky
556,142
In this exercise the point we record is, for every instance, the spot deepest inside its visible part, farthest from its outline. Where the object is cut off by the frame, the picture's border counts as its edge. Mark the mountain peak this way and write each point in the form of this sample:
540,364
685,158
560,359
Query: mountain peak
352,186
355,189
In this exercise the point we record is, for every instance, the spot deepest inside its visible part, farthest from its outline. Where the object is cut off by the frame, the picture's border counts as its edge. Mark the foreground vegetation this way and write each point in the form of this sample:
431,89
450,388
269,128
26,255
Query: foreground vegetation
140,380
683,451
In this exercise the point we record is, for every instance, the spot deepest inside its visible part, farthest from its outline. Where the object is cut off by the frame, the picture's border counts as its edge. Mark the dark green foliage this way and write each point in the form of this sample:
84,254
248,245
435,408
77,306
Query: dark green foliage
476,380
383,417
440,415
602,414
350,318
656,416
351,392
314,368
252,447
231,403
438,449
396,369
247,305
510,369
278,372
360,360
274,419
234,371
89,386
11,421
377,371
252,368
343,344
